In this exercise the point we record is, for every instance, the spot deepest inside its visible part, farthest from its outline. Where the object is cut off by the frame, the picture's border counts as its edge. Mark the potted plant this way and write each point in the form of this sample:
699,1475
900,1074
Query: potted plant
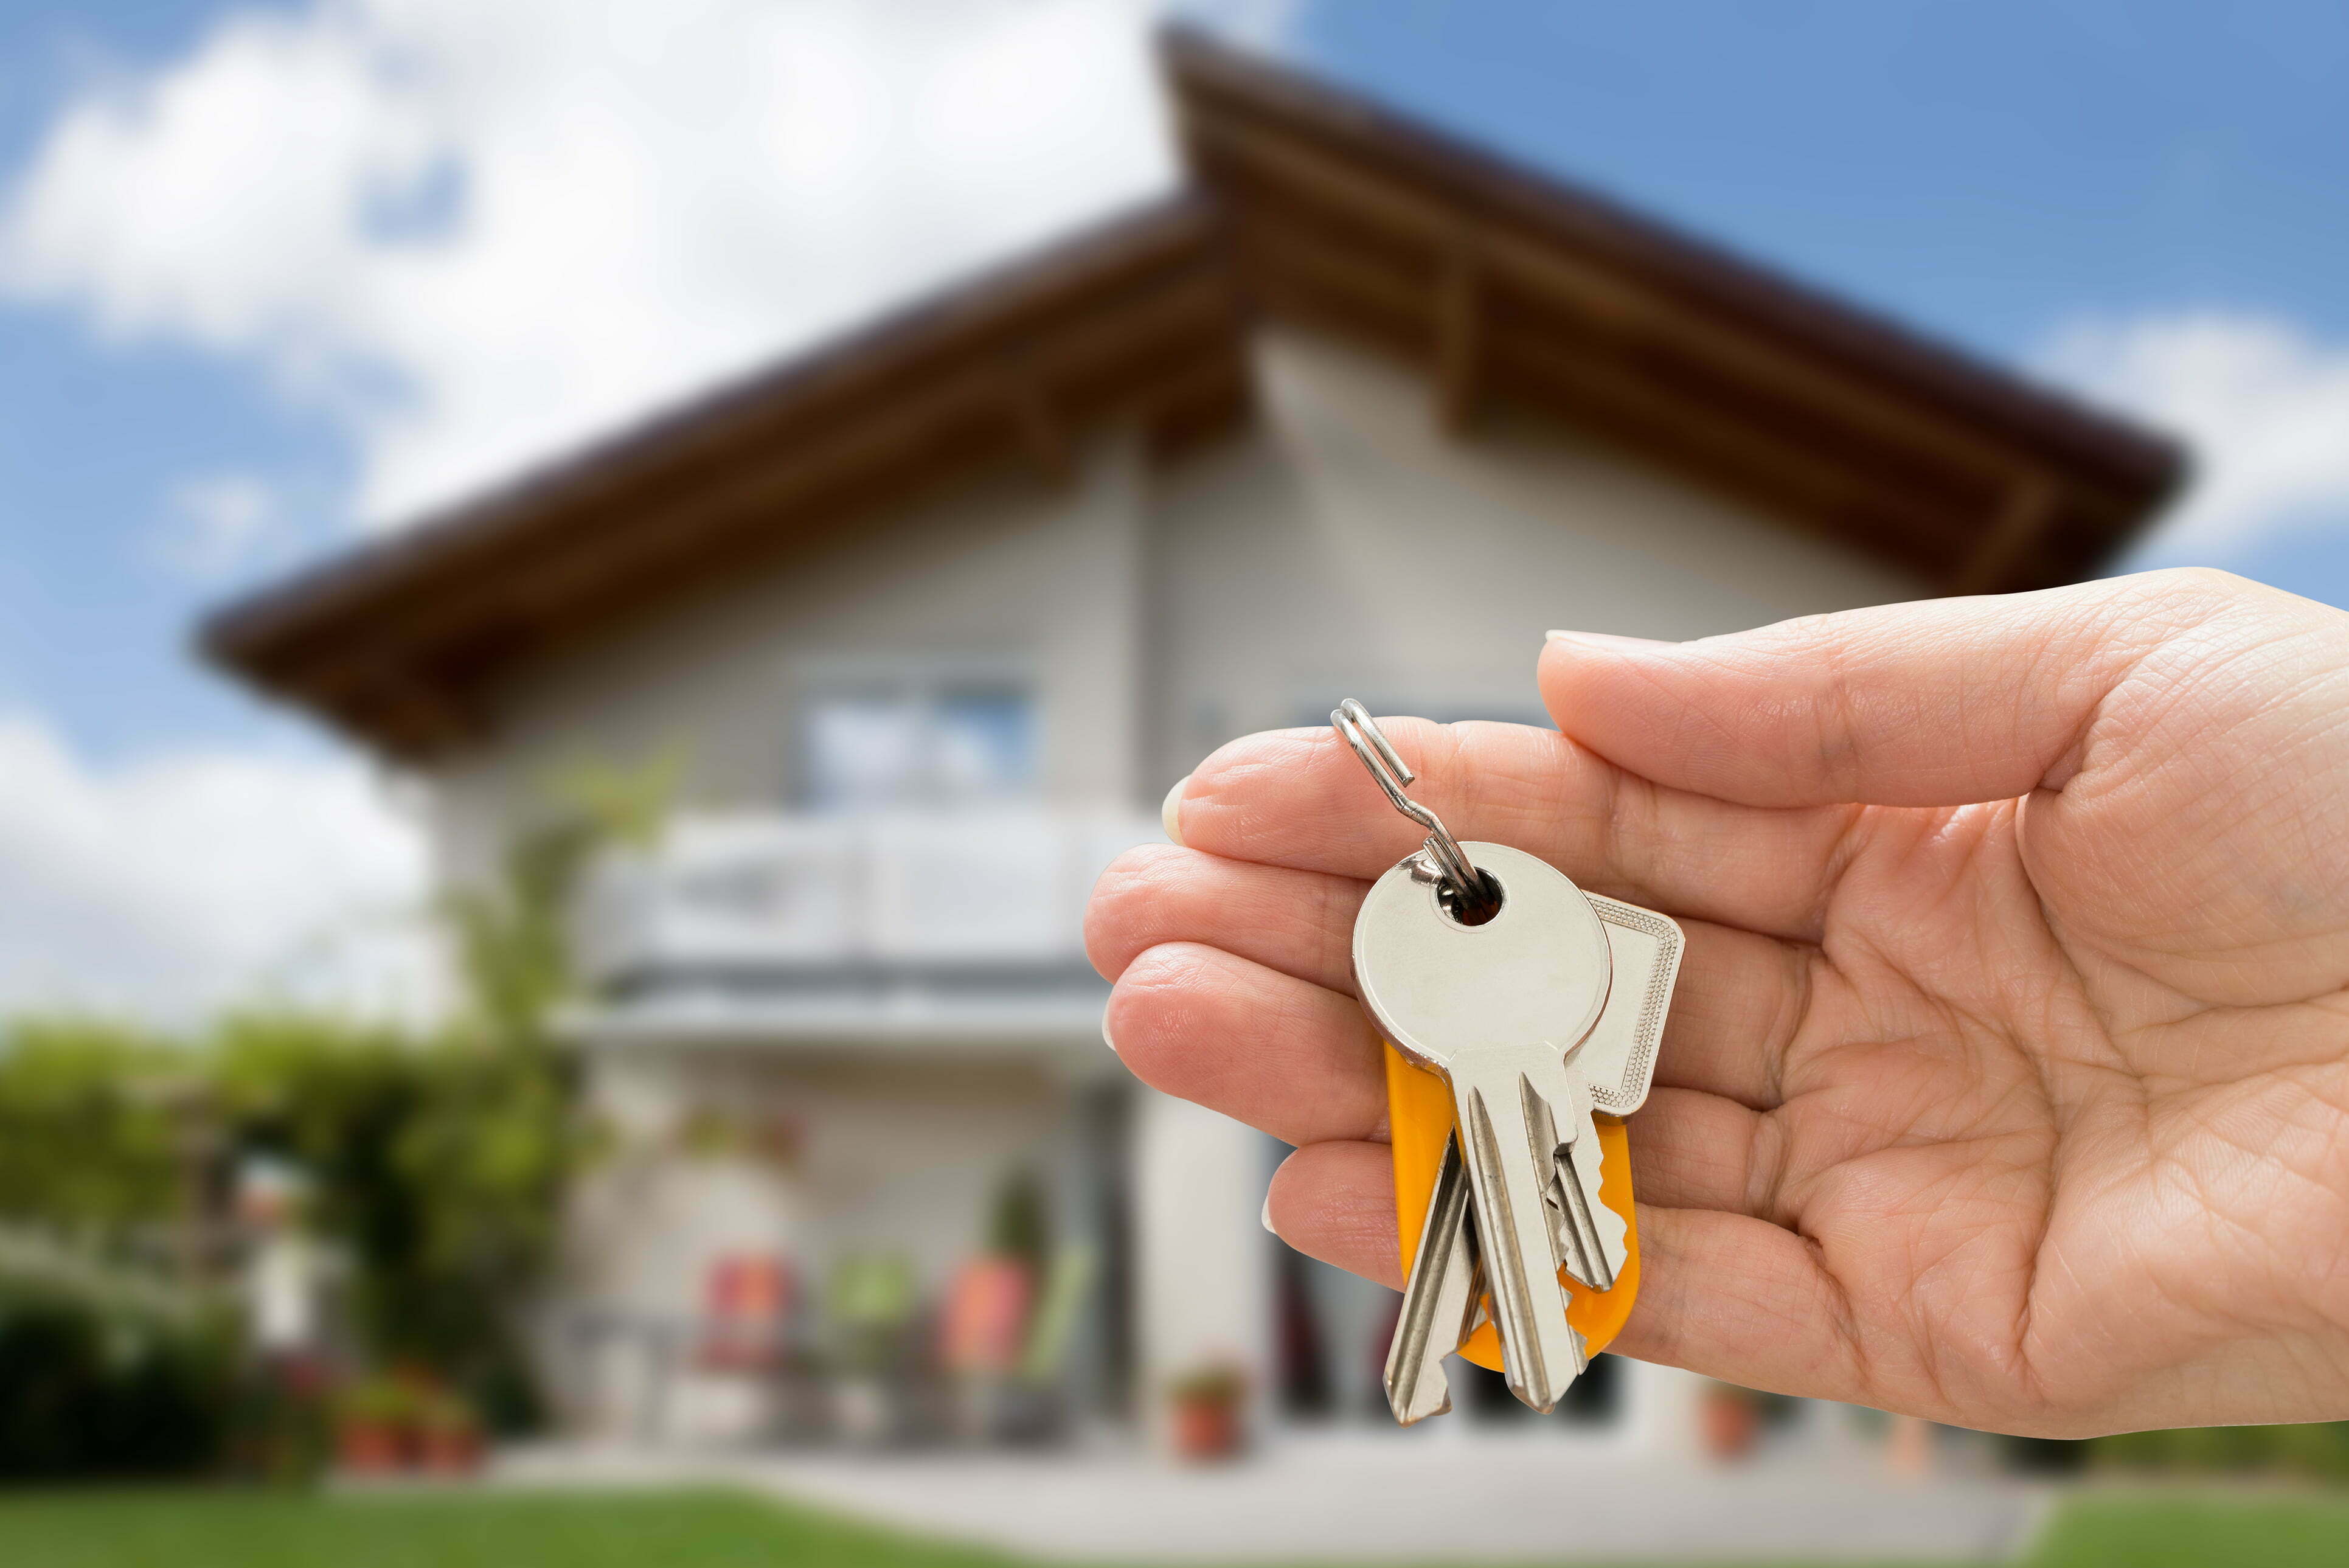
373,1419
448,1434
1731,1418
1205,1404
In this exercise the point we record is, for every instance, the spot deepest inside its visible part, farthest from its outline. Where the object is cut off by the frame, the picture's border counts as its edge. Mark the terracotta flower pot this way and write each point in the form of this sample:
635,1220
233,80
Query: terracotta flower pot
1731,1421
370,1448
451,1451
1207,1430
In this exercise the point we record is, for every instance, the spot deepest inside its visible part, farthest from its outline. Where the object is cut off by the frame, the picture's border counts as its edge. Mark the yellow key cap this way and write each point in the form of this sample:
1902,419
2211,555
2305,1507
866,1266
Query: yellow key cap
1419,1117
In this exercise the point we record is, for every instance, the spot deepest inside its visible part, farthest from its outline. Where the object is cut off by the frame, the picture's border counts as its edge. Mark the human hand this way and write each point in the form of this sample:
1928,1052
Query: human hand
2007,1080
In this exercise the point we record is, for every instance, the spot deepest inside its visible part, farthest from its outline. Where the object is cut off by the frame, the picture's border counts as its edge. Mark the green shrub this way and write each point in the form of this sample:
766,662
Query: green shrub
2319,1449
88,1392
87,1134
435,1160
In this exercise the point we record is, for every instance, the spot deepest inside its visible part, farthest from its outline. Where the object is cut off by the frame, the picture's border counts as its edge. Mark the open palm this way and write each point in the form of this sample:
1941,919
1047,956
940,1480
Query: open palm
2007,1081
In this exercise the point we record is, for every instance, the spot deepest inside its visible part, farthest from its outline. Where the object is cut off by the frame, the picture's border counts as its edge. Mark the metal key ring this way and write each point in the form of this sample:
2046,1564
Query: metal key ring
1377,754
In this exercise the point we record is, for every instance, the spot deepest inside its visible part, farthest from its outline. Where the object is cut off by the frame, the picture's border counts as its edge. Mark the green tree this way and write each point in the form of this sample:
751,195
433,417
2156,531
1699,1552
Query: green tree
438,1158
91,1128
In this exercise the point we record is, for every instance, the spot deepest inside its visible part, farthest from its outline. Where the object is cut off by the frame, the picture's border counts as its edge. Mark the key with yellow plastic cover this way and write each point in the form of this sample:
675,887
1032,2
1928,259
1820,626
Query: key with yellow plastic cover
1536,1010
1618,1061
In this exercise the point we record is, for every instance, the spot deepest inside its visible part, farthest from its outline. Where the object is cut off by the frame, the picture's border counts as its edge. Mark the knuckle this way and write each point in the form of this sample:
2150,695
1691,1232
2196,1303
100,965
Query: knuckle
1125,898
2198,590
1152,1003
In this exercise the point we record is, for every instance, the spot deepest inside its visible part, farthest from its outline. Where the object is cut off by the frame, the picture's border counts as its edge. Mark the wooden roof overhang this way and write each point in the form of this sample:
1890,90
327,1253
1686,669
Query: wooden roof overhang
1508,288
1512,287
397,642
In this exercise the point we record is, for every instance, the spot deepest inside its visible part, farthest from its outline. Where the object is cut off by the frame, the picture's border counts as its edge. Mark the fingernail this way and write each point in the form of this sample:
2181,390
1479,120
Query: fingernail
1605,640
1170,814
1265,1215
1108,1039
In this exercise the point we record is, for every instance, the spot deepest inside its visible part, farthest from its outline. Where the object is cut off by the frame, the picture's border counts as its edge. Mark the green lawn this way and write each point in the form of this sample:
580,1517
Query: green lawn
443,1530
721,1529
2286,1530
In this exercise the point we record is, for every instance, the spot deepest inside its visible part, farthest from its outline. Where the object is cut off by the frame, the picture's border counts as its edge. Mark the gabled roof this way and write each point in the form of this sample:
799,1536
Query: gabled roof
1508,288
396,642
1512,287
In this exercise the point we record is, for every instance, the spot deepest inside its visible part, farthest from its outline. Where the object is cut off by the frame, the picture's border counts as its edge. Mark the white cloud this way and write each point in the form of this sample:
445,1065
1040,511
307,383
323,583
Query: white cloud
482,233
217,522
477,235
2264,405
168,886
1257,24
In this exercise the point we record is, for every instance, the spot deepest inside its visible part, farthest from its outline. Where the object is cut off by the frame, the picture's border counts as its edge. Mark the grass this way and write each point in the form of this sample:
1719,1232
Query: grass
185,1528
2284,1531
203,1529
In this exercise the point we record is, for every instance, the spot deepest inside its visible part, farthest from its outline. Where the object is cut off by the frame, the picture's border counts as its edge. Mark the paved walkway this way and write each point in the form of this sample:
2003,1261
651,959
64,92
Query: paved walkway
1351,1499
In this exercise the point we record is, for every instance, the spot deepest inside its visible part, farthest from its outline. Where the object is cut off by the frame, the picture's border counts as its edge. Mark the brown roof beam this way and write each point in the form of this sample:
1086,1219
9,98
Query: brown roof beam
1214,82
999,306
1111,361
2022,521
1594,290
1596,367
1459,334
526,565
765,497
1790,481
1037,425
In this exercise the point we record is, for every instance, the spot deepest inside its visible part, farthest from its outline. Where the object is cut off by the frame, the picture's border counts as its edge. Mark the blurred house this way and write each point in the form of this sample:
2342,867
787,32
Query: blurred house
933,617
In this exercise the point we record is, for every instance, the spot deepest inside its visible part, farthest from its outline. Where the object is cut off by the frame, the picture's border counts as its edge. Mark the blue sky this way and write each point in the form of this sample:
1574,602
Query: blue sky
217,357
1988,172
1987,169
93,439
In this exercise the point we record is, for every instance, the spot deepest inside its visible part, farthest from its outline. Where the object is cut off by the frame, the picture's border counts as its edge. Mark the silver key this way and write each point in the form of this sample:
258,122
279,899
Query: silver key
1636,962
1437,1315
1496,1008
1592,1241
1645,950
1614,1066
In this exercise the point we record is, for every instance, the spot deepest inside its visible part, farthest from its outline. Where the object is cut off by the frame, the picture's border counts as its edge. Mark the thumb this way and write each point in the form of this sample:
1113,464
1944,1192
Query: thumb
1939,703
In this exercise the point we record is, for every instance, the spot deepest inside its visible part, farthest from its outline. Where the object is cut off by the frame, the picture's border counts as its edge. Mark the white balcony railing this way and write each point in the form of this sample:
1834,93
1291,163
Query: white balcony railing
775,893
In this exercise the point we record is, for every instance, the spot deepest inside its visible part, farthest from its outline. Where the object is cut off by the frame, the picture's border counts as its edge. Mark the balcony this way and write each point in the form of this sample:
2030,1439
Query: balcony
908,927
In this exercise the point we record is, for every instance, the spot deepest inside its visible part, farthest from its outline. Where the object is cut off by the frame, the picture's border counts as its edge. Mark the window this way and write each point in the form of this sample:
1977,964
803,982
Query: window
1314,713
915,740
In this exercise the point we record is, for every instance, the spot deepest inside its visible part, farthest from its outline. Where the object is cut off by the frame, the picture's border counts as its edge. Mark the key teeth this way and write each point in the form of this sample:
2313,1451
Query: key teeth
1615,1239
1590,1260
1541,1352
1446,1278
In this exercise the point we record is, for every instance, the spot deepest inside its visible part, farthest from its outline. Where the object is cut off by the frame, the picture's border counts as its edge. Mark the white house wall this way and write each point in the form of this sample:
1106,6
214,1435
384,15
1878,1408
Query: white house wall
1343,547
1349,549
1012,571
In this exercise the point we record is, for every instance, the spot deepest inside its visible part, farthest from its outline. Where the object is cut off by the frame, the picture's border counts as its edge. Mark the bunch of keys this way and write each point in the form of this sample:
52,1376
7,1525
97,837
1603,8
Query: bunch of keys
1521,1016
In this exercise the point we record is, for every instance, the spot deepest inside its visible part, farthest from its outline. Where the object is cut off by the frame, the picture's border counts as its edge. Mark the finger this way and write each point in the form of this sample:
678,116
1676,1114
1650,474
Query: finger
1740,1004
1300,797
1294,1059
1335,1202
1694,1150
1722,1293
1939,703
1740,1001
1298,923
1742,1300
